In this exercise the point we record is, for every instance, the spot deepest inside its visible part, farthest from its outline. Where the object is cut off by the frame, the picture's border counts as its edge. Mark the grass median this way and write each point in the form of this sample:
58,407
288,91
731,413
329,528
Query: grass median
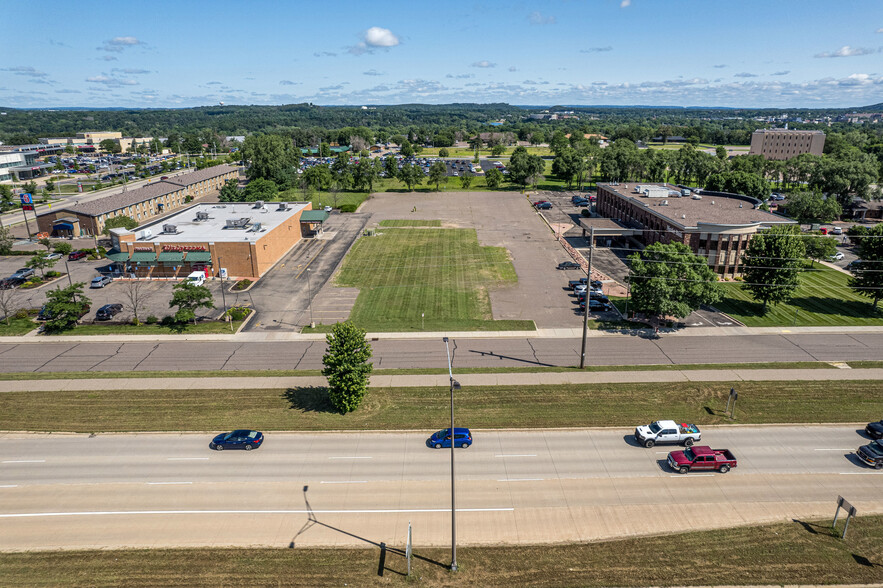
792,553
479,407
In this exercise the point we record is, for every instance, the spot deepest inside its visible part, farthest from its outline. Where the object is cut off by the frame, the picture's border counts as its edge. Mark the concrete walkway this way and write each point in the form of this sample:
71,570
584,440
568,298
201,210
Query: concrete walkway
441,380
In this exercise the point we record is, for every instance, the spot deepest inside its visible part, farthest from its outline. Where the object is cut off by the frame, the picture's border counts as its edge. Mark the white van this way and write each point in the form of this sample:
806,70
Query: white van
196,278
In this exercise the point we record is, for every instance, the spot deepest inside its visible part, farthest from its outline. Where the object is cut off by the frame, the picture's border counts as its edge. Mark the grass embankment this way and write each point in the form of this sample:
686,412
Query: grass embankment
200,328
426,279
823,299
797,365
793,553
481,407
410,223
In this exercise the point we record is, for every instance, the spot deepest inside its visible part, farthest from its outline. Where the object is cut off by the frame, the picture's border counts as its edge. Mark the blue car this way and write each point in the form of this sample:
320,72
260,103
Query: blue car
462,438
238,439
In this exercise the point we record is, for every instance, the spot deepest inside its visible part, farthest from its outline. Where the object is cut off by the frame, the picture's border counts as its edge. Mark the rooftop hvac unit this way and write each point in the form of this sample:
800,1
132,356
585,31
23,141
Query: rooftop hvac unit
282,206
638,189
145,234
238,223
259,204
255,227
200,216
170,229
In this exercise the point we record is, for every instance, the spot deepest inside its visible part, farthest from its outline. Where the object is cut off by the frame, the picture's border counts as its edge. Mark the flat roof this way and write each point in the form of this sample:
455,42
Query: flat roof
215,229
688,213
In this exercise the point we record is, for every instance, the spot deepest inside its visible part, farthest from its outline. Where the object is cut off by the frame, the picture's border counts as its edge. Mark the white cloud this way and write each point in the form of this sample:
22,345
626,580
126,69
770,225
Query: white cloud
484,64
131,70
625,3
120,44
324,54
536,18
108,58
597,49
880,30
784,72
26,70
719,66
460,76
288,83
372,72
110,81
375,38
513,68
847,51
745,74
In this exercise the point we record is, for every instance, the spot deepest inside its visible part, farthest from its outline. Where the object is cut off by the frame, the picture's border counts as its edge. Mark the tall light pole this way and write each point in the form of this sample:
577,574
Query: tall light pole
455,385
582,356
224,294
310,301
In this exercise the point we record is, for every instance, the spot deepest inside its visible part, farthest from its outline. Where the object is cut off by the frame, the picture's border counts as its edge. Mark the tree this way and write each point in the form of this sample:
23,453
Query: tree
65,306
818,247
407,149
465,181
566,165
438,174
135,293
190,298
346,366
443,152
121,221
739,182
45,242
410,175
5,195
558,142
260,189
498,150
721,152
6,241
867,277
230,192
40,261
8,303
62,248
270,157
493,178
522,166
390,166
50,185
771,264
318,177
812,207
30,187
671,280
110,146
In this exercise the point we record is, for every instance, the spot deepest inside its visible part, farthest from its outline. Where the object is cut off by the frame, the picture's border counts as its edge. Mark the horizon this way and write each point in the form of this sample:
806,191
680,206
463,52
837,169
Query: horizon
603,53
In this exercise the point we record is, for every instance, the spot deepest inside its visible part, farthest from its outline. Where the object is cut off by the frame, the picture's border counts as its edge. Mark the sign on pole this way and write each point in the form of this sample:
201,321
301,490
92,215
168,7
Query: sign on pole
27,201
733,397
408,548
850,512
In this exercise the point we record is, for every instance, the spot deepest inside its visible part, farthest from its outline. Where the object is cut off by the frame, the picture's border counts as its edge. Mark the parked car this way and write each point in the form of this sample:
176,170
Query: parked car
837,256
581,202
23,273
702,458
439,439
100,281
667,432
875,430
239,439
108,311
53,256
9,283
77,255
872,454
837,231
571,284
328,209
568,265
542,205
595,305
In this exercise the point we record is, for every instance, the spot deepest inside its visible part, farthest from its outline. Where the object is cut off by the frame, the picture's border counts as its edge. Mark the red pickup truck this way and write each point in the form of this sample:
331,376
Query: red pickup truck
702,458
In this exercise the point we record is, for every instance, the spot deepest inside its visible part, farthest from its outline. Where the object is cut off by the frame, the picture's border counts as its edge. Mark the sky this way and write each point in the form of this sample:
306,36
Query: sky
182,53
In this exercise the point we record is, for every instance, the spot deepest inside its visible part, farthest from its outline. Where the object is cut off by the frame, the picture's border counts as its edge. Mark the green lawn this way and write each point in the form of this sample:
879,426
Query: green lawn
443,274
789,553
201,328
823,299
410,223
482,407
16,326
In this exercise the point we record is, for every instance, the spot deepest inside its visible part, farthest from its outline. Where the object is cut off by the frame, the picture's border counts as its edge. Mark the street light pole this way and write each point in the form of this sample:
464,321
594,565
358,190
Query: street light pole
455,385
310,301
224,294
582,356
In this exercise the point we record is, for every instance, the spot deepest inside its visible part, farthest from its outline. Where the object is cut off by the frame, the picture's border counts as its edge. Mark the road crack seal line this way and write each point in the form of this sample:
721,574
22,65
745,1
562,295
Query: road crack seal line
561,486
108,358
534,351
44,364
303,355
145,358
232,353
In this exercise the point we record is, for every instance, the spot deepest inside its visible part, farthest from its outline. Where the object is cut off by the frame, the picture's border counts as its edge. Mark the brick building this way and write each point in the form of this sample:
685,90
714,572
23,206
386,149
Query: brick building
714,225
244,238
785,143
141,204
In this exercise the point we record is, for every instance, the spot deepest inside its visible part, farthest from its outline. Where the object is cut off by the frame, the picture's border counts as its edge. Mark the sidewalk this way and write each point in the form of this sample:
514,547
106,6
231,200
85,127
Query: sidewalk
441,380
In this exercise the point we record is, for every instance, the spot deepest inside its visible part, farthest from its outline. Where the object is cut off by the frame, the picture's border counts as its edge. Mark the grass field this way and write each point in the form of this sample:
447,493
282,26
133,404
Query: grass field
823,299
443,274
410,223
791,553
479,407
16,326
204,328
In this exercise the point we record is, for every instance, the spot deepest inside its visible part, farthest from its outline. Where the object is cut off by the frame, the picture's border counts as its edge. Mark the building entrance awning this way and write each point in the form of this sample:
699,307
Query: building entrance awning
171,257
199,257
117,256
143,257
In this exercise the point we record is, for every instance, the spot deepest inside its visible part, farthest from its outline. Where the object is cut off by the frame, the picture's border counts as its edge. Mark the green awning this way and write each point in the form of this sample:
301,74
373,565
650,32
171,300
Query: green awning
199,257
117,256
313,216
143,256
171,257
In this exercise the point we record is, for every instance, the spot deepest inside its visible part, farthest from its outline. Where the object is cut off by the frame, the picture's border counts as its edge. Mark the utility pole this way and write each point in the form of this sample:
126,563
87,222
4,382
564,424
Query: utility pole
582,356
455,385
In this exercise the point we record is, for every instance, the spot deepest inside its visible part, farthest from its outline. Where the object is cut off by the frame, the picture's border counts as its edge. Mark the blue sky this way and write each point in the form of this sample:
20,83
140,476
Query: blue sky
749,53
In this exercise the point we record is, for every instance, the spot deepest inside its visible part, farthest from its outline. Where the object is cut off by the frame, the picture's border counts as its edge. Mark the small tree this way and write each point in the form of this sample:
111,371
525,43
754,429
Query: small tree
30,187
438,174
346,366
8,303
6,240
818,247
62,248
493,178
772,264
65,306
135,292
5,195
443,152
45,242
40,261
50,186
189,298
126,222
498,150
867,278
465,181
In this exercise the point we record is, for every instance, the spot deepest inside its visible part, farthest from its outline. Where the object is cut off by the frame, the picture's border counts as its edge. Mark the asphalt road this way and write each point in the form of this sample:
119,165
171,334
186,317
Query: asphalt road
73,491
44,355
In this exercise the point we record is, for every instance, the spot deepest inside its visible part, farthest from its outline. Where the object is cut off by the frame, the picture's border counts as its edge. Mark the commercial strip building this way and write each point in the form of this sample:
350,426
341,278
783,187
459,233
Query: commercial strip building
714,225
141,204
21,165
241,240
785,143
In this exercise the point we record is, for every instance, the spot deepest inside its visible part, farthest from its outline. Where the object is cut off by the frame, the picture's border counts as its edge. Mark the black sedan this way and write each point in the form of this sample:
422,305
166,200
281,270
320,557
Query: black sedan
568,265
238,439
108,311
875,430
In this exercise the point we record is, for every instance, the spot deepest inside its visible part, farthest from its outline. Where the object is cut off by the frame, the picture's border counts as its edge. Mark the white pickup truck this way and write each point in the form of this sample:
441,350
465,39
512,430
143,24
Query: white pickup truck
667,432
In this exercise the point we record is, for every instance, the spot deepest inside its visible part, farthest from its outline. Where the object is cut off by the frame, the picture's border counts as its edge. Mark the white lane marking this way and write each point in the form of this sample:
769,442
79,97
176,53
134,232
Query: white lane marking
832,449
166,483
185,458
516,455
352,457
9,486
690,476
24,461
521,480
249,512
344,482
860,473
